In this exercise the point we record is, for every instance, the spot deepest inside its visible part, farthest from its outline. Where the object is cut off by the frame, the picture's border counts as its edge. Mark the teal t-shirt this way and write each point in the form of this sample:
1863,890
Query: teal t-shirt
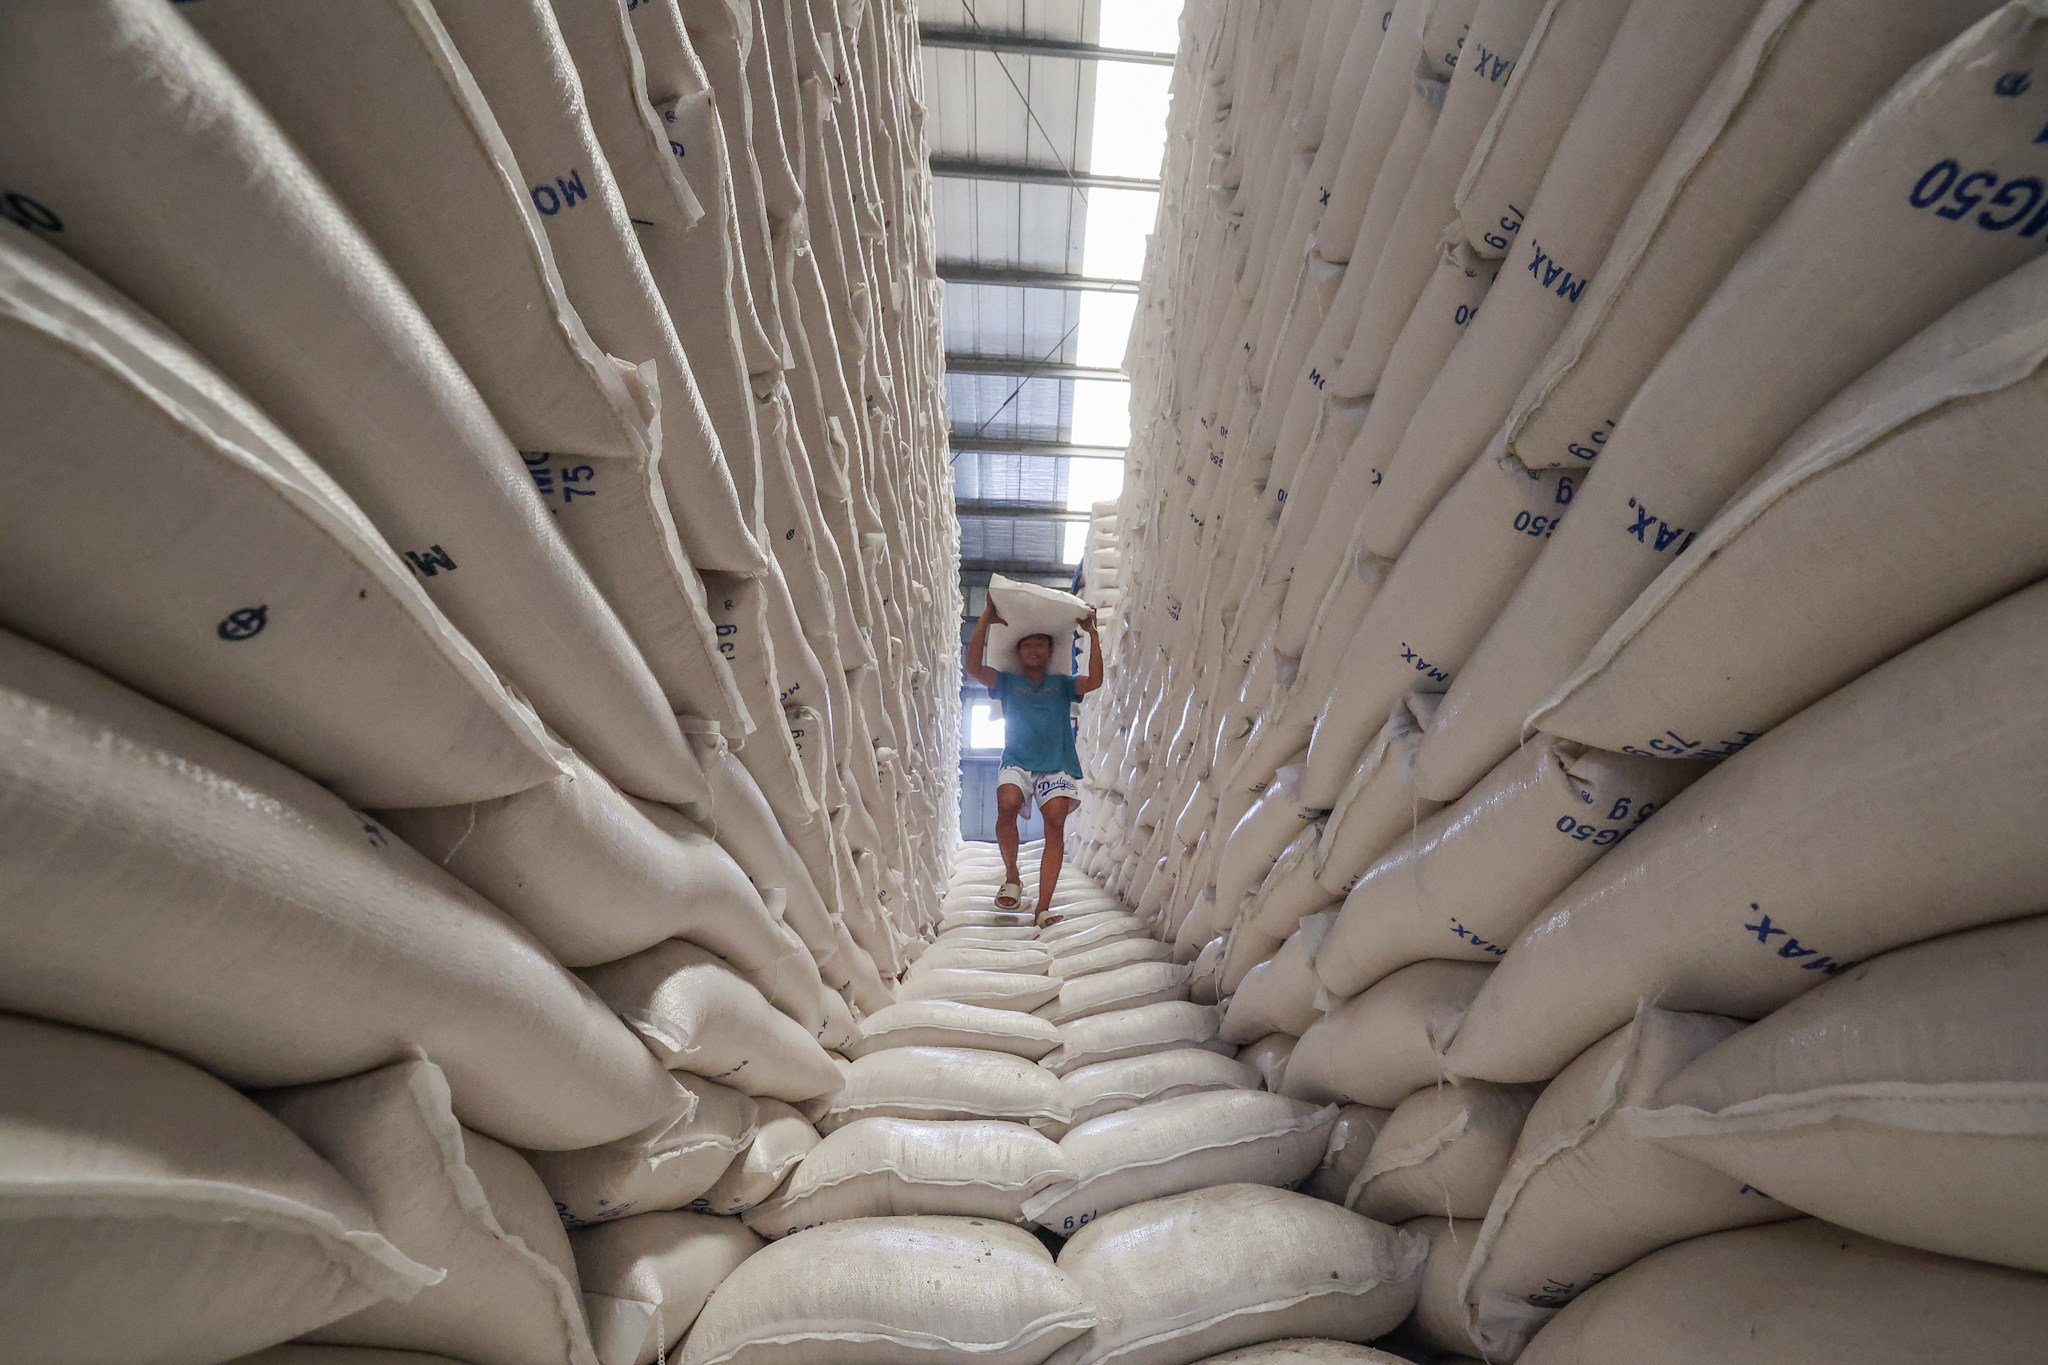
1038,733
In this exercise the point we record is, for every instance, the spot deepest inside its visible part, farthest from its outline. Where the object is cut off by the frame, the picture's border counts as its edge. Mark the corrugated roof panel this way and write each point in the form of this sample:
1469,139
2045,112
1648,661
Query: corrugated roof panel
1019,480
1076,20
997,405
1006,320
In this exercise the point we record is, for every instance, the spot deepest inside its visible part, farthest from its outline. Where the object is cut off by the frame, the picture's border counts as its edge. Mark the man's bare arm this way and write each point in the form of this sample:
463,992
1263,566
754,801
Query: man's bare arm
1094,678
977,643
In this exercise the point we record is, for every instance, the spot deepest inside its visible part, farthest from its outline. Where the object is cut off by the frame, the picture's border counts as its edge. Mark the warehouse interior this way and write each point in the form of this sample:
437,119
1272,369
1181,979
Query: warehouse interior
1024,682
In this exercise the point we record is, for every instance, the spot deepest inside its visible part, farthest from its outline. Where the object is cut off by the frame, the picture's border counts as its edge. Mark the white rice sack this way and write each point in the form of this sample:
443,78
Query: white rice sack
1120,988
667,1167
1381,1046
312,945
451,1199
988,919
1279,995
1971,384
1171,1146
1306,1351
1464,883
1108,957
1344,1156
121,1166
191,201
365,686
544,106
1376,803
949,1024
1442,1152
378,100
981,935
882,1291
1269,1057
988,989
1897,1099
1724,398
698,1015
646,1278
300,1353
1059,930
782,1137
1722,1298
1024,958
1560,61
1181,1278
946,1083
1079,937
598,876
1650,75
1585,1196
1438,1323
887,1168
1110,1087
1029,609
1169,1025
1921,809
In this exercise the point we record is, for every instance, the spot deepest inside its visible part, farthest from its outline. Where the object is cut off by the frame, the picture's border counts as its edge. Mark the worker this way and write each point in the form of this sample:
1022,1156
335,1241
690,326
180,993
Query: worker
1039,761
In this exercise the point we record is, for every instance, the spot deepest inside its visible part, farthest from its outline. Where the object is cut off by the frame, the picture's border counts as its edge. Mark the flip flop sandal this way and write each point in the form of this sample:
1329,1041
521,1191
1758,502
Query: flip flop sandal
1010,897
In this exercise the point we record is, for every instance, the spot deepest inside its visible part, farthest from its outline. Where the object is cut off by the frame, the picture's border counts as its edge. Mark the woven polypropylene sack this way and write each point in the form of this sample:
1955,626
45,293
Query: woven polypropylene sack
888,1168
267,276
646,1278
125,1166
1384,1044
331,657
451,1199
1916,781
1843,1102
946,1083
1181,1278
1442,1152
311,942
1584,1196
669,1166
1172,1146
1721,1298
697,1014
881,1291
949,1024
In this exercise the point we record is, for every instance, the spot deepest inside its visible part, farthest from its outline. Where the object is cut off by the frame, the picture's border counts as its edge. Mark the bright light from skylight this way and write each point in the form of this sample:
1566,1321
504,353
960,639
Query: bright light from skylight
984,727
1074,541
1093,481
1118,223
1102,412
1105,329
1143,25
1130,119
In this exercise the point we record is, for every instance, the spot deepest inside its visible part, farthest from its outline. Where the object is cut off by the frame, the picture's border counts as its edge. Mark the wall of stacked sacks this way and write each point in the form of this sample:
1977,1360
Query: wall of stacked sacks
477,683
1578,704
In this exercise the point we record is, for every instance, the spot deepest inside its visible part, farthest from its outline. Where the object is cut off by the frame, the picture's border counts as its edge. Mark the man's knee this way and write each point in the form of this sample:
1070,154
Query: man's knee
1009,802
1055,813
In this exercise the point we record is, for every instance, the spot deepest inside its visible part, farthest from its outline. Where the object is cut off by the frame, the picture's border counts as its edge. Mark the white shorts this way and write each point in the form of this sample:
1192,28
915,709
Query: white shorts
1040,788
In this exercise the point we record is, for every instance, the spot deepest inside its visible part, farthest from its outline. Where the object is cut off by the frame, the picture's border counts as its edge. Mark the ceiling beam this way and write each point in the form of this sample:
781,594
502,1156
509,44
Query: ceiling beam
1020,511
1019,568
1015,445
1022,173
1022,44
1028,367
973,272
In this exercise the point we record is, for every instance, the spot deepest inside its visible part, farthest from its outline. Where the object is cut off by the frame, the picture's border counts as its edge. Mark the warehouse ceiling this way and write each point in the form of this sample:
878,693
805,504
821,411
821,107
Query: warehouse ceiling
1046,122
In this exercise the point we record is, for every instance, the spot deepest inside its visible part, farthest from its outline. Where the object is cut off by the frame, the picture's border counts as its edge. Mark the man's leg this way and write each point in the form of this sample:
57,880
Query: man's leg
1009,802
1055,813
